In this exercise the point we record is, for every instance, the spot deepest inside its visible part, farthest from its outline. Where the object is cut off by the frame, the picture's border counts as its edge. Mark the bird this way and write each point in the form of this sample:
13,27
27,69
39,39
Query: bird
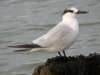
60,37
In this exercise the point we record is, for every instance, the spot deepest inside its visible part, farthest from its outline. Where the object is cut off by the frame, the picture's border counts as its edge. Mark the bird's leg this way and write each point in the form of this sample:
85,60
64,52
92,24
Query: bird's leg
64,53
59,54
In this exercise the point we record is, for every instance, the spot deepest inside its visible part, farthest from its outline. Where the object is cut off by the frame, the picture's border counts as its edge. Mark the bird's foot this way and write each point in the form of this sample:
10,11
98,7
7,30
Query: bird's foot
64,54
60,54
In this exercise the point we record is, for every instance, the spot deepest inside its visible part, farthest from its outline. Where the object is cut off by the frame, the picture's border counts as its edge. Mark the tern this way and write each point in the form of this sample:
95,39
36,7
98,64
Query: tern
60,37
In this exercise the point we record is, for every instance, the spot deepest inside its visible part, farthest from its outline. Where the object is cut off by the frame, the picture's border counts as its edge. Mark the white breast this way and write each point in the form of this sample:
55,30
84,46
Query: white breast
70,20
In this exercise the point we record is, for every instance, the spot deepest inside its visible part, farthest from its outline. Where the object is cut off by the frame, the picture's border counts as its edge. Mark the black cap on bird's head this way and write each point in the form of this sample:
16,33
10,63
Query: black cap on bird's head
74,11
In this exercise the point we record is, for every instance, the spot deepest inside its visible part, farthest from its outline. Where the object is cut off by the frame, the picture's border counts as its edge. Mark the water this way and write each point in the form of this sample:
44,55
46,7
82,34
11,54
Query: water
21,21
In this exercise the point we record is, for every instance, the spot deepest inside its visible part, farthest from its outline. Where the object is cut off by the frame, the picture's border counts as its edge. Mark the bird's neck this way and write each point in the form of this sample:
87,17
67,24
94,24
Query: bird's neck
70,22
68,18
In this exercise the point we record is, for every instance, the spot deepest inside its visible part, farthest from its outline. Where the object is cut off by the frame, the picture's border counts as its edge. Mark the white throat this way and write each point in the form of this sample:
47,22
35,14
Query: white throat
70,20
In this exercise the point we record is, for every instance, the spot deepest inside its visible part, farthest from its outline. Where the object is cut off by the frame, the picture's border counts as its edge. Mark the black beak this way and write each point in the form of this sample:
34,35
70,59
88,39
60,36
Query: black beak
82,12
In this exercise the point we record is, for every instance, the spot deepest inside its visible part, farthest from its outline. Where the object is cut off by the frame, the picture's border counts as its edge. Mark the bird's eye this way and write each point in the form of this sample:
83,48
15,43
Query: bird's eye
70,11
66,11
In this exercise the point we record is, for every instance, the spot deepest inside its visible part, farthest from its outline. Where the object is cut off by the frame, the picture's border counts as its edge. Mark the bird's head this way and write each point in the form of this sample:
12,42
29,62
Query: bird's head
71,12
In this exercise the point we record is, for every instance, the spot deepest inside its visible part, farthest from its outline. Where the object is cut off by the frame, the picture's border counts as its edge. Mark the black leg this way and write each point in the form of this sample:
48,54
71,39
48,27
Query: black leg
64,53
59,53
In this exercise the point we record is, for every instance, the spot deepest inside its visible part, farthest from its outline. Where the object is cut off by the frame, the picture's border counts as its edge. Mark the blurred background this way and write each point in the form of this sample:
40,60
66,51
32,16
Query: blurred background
21,21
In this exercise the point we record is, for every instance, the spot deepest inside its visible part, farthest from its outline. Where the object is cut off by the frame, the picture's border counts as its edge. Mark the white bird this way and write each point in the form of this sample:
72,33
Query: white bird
60,37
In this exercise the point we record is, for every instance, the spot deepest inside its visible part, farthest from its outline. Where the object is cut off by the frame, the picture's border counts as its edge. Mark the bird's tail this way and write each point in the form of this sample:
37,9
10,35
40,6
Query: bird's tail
26,47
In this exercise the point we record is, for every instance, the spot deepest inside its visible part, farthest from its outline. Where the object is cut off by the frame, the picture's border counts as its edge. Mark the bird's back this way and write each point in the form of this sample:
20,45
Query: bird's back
58,38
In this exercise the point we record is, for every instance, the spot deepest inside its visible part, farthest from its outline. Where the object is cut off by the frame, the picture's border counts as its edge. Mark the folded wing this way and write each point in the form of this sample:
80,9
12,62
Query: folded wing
26,46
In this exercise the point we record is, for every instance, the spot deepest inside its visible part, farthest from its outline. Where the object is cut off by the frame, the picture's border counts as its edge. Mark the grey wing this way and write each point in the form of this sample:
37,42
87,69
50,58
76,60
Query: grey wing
53,35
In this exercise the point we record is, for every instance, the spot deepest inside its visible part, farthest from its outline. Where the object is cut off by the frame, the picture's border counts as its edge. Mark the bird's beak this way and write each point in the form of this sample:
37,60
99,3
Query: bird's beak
82,12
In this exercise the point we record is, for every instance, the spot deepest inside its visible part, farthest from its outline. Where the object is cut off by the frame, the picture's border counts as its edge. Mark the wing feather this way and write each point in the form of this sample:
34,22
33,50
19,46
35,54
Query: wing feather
56,33
26,46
